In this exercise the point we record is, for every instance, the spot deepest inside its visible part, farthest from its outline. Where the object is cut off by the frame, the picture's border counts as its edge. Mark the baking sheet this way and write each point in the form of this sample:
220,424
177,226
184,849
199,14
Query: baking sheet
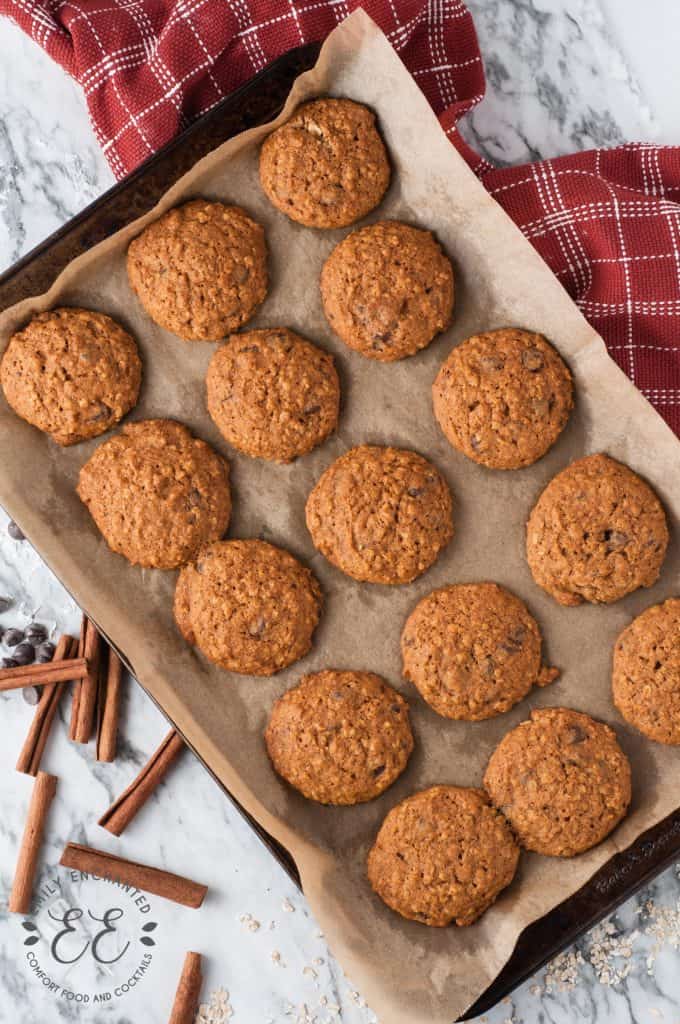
406,971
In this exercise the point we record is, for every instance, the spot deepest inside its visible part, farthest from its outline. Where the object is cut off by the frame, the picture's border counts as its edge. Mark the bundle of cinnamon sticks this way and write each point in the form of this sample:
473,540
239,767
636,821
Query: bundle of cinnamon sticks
95,670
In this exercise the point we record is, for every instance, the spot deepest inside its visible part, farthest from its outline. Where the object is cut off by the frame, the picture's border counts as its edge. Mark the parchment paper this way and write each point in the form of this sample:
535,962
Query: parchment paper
407,972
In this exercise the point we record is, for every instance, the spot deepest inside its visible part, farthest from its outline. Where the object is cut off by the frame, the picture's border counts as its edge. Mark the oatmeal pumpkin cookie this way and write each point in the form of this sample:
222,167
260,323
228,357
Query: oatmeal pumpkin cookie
327,166
72,373
381,515
387,290
561,780
272,394
646,672
503,398
200,270
473,651
596,533
156,493
443,855
340,737
249,606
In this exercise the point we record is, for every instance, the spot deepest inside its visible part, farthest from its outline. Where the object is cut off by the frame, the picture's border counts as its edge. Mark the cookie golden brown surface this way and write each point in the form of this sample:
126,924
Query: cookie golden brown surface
200,270
340,737
646,672
72,373
272,394
443,855
156,493
326,167
503,398
387,290
381,515
249,606
473,650
596,533
561,780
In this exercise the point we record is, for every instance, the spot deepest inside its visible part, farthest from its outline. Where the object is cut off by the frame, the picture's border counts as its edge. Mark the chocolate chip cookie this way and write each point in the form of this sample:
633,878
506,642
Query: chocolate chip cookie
473,651
249,606
503,398
272,394
157,493
387,290
325,167
340,737
443,855
200,270
596,533
381,515
646,672
561,780
71,373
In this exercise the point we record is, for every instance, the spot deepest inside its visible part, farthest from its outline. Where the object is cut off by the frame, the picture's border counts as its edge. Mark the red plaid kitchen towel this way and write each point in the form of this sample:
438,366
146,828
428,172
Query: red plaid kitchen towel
606,222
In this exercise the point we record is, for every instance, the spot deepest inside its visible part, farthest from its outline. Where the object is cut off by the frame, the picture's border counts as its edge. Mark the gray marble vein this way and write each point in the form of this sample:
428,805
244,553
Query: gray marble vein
557,81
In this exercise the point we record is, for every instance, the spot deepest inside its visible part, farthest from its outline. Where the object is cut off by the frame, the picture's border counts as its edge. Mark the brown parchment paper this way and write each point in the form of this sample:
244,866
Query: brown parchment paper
407,972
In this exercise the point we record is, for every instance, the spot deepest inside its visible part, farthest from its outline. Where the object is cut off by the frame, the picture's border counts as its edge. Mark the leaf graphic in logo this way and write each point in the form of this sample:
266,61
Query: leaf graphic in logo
31,940
145,940
29,926
150,927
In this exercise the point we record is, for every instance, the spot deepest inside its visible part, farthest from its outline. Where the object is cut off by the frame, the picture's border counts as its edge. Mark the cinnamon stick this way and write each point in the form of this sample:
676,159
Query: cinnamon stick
188,991
128,872
75,700
123,810
41,674
34,744
108,707
44,789
87,701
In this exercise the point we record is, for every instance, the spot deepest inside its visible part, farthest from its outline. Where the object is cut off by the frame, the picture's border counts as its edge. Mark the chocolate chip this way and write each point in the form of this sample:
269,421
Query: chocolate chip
14,531
5,603
487,666
532,359
24,654
194,498
14,637
31,695
378,771
35,632
415,492
9,663
311,409
475,442
575,734
45,652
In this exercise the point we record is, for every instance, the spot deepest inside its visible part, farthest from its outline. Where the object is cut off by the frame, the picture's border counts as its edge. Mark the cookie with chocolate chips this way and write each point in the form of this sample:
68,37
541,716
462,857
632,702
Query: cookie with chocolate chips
340,737
71,373
646,672
200,270
503,398
157,493
596,533
326,167
272,394
473,650
387,290
381,515
561,780
442,855
249,606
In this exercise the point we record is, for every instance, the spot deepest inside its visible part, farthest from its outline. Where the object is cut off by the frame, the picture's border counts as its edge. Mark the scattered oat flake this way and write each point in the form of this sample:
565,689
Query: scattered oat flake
249,922
563,972
610,953
309,972
217,1010
288,906
277,958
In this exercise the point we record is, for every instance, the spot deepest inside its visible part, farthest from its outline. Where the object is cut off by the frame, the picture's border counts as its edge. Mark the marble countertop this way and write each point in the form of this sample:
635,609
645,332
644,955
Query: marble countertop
562,75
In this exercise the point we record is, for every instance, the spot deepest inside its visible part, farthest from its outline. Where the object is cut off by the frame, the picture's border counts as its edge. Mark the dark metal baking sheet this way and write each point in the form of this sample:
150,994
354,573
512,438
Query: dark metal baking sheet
254,103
